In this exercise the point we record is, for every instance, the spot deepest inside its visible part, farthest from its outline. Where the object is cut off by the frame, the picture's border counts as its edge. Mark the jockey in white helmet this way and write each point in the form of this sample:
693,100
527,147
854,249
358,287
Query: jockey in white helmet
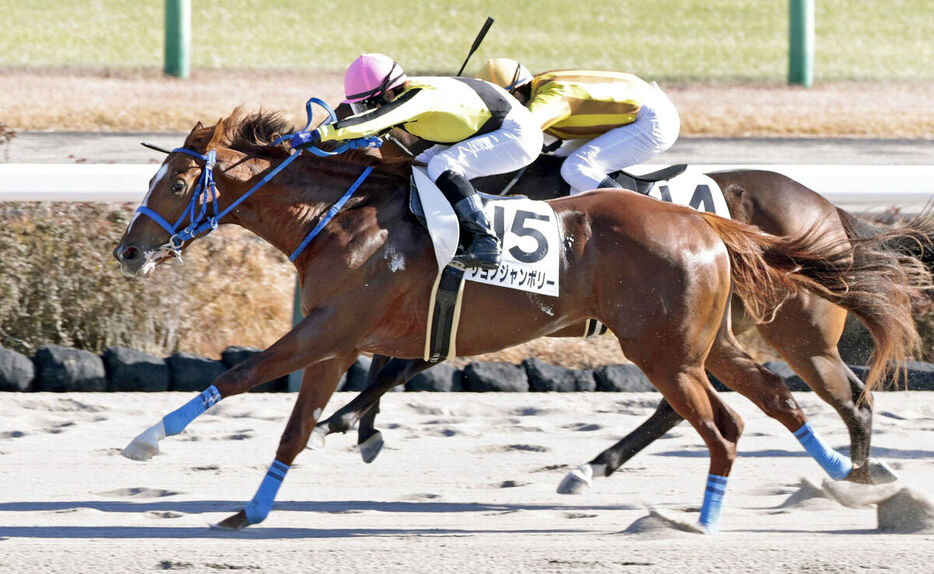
618,119
478,128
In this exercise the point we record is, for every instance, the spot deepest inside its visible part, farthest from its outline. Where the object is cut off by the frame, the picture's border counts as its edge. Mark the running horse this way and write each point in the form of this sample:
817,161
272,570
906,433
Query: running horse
780,206
357,298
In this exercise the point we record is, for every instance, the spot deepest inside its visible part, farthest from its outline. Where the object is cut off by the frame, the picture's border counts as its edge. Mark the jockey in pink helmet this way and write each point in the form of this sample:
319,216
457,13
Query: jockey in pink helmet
478,129
372,75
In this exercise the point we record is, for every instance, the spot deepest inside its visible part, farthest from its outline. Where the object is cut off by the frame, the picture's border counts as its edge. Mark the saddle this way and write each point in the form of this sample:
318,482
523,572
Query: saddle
547,168
643,183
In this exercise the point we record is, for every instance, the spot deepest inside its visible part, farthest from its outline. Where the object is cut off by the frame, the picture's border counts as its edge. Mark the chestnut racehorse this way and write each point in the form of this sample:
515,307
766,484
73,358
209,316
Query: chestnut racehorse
778,205
658,275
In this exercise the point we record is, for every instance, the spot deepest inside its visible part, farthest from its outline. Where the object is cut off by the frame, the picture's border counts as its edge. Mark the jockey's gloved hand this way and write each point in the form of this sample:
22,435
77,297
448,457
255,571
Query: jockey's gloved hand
303,139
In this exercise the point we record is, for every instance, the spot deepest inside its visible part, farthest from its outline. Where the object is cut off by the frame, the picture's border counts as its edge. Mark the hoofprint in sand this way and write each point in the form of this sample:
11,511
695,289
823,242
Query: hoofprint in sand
466,483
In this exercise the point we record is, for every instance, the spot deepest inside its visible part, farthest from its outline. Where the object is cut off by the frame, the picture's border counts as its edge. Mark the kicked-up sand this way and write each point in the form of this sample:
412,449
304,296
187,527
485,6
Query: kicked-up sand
465,483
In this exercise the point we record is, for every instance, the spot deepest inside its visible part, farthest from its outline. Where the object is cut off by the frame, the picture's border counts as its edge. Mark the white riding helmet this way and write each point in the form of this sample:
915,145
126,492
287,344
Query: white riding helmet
506,73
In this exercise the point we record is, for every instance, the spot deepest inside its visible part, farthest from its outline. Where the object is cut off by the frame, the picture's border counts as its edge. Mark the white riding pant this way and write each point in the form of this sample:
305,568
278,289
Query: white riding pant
656,128
513,146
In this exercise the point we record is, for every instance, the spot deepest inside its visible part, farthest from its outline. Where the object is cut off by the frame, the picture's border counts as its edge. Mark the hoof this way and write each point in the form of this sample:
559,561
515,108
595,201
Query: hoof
237,521
664,524
146,445
577,481
317,439
369,449
682,521
872,472
879,472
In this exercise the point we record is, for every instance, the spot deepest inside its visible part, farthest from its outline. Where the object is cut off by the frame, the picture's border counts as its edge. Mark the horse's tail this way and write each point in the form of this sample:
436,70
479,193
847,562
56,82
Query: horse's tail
915,238
874,283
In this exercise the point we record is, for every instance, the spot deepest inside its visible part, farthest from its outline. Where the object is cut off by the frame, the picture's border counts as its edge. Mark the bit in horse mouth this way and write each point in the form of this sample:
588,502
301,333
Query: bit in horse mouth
151,259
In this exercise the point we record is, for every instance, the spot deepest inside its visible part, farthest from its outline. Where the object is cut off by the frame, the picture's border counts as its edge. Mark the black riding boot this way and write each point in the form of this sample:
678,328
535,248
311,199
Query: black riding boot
482,248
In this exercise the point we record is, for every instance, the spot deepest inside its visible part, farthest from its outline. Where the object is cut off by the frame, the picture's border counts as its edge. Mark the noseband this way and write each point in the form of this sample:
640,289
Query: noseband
206,191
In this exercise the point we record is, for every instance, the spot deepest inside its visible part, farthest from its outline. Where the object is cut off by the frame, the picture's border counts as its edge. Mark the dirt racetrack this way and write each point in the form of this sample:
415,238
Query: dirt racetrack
466,483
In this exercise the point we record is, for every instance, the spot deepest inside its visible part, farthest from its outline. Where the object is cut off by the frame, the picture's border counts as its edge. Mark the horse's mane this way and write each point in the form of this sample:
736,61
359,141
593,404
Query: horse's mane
253,133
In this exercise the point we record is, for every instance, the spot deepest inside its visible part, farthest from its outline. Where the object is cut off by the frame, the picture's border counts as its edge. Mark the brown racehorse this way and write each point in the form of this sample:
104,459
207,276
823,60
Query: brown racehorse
778,205
658,275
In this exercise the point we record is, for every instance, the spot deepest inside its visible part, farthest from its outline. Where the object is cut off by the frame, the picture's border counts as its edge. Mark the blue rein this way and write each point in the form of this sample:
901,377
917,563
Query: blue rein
206,191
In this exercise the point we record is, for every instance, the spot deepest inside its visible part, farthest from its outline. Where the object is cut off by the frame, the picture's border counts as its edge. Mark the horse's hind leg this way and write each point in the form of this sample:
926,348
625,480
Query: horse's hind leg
396,371
370,440
607,462
688,395
815,326
318,384
662,420
691,395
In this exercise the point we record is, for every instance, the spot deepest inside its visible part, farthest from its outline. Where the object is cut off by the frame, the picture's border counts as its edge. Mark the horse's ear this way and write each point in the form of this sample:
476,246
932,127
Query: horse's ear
191,140
218,134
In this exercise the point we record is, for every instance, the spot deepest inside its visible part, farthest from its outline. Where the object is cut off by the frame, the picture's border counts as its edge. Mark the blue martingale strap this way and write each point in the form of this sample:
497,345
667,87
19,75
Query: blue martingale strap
258,509
176,421
713,503
837,465
331,213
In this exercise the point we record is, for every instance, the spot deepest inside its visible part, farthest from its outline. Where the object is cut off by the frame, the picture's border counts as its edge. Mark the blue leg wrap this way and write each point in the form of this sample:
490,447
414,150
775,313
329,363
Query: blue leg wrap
713,502
837,465
257,509
176,421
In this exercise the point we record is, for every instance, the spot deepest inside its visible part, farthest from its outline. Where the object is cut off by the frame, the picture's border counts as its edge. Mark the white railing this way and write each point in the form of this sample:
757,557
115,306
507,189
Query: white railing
857,187
861,187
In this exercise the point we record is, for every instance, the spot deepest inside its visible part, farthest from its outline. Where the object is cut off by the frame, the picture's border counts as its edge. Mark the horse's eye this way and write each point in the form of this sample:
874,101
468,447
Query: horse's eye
178,187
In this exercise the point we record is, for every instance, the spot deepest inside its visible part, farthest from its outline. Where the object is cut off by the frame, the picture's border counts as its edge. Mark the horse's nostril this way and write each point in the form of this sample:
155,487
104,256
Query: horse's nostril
129,253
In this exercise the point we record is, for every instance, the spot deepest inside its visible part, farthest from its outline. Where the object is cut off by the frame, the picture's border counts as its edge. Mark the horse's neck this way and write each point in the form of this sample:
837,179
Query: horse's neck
285,210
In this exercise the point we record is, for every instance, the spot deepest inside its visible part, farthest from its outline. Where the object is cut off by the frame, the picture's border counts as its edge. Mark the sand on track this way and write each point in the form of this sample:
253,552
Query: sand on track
466,483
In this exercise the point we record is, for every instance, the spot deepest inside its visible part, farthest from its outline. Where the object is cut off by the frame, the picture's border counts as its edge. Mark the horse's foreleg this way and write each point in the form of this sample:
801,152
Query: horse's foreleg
607,462
286,355
146,444
396,371
318,384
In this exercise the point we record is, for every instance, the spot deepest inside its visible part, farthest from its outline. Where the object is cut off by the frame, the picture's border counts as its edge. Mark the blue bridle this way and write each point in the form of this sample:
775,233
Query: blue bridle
205,192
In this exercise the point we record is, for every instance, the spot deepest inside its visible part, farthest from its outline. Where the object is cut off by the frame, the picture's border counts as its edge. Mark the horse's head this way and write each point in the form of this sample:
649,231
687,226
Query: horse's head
183,202
178,195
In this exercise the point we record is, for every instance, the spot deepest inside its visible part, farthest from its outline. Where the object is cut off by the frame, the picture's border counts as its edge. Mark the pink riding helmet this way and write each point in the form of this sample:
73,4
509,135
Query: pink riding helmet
370,75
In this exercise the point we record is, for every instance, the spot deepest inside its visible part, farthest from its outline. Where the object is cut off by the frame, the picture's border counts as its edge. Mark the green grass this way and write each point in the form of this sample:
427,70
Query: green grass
717,40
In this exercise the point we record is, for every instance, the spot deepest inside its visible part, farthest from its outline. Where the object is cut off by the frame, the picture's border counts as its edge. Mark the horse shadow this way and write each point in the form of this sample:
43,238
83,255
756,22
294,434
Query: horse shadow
255,532
877,451
222,506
